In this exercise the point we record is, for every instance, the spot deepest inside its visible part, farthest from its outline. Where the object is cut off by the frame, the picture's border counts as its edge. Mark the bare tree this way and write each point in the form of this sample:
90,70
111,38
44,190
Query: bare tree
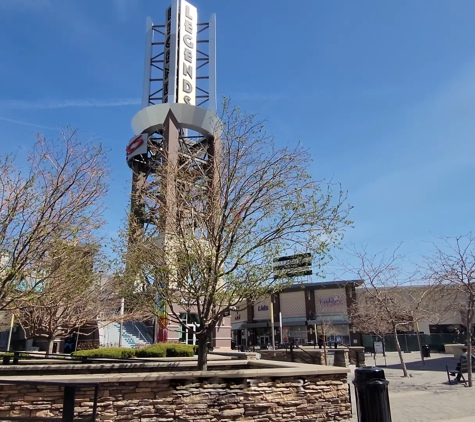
73,294
452,264
391,300
58,196
224,229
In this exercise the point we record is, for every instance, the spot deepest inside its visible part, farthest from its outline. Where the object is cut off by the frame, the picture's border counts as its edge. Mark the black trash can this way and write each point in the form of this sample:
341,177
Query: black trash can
372,397
425,351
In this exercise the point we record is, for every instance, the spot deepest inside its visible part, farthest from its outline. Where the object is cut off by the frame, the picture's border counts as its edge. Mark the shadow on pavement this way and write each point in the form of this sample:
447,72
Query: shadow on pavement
437,363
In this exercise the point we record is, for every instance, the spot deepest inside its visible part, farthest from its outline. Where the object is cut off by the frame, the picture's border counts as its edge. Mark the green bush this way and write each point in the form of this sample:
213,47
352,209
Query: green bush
180,350
11,354
154,351
106,352
159,350
169,350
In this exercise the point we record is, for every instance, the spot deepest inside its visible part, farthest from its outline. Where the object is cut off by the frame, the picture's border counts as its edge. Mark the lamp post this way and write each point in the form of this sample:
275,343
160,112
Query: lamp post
280,327
12,321
272,322
121,326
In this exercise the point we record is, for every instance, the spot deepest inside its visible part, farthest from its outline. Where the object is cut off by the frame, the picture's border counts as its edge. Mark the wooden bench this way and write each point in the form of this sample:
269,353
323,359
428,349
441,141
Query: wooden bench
460,369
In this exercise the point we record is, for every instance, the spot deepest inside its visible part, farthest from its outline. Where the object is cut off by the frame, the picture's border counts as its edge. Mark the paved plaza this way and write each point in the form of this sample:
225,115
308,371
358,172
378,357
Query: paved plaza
425,395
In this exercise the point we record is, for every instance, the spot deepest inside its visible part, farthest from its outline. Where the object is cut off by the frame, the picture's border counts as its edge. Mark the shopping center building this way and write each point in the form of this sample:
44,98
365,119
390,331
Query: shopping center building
301,313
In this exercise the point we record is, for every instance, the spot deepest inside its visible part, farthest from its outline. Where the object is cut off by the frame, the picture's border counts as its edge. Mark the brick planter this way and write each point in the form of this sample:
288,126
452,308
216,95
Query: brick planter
258,390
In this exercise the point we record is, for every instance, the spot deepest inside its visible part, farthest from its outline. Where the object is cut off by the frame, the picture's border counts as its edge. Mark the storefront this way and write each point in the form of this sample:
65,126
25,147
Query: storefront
305,313
238,332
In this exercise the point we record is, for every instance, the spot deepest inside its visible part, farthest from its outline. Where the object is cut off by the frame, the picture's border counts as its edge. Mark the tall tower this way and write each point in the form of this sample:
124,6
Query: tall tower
177,123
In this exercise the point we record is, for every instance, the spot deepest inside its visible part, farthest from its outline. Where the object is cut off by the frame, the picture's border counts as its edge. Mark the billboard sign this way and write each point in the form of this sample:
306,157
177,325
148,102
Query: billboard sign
170,55
187,53
293,266
136,146
179,68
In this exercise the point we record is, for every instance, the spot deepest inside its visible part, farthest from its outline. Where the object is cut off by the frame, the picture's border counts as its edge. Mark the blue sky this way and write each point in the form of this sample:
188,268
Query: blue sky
382,93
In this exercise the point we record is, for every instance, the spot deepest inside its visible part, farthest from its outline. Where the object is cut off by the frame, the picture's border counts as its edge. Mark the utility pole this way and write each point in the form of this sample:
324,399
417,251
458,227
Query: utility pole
324,343
280,327
12,321
272,322
121,327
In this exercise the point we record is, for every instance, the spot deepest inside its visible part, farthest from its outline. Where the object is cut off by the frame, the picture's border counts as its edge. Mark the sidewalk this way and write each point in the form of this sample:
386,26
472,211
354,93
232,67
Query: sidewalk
425,396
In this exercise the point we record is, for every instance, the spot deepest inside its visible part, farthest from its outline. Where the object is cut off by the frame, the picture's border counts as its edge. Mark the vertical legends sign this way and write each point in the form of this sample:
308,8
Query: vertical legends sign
170,55
188,25
179,67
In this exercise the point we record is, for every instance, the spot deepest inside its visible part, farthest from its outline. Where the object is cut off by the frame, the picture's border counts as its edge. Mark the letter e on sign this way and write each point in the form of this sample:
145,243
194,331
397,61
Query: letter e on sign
188,24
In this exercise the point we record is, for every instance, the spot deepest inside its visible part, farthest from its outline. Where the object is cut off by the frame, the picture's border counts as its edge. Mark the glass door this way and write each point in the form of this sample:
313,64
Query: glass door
187,332
264,340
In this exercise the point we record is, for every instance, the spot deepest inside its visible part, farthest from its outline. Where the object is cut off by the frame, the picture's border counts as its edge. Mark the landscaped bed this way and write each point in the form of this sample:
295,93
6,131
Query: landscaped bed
160,350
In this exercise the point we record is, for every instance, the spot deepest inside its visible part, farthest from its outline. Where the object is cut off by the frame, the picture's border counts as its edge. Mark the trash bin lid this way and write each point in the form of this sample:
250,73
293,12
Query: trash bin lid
368,373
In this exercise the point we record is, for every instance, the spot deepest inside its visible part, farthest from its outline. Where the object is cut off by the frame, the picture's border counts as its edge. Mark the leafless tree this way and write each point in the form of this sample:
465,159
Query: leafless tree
229,225
392,300
74,293
55,192
452,264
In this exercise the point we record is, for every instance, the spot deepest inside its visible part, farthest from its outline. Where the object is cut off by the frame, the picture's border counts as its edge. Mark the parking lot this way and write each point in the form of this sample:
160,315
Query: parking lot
425,395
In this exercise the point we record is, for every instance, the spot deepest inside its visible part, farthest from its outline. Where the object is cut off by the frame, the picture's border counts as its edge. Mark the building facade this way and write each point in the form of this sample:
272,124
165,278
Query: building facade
304,314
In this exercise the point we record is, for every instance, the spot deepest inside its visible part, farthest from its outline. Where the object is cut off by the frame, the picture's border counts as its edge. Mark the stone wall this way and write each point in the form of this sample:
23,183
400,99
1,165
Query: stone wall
356,356
277,398
335,357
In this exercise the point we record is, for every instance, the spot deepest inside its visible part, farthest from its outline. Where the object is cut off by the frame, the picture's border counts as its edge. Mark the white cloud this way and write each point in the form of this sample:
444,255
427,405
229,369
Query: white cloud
23,123
54,104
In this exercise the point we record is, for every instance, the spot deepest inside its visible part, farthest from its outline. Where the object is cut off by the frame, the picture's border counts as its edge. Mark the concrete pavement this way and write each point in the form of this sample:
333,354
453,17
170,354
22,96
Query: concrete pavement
424,396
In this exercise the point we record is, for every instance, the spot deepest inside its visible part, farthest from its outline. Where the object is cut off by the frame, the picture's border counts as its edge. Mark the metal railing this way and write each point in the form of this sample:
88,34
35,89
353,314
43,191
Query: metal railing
141,335
14,358
312,358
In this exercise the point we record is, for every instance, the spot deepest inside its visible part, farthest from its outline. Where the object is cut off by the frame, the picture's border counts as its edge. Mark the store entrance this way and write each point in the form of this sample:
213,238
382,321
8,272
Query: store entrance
263,340
187,333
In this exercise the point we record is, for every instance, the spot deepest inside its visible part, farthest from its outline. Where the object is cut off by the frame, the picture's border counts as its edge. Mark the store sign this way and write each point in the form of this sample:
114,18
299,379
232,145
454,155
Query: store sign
378,347
169,56
136,146
262,308
293,266
179,54
331,301
188,22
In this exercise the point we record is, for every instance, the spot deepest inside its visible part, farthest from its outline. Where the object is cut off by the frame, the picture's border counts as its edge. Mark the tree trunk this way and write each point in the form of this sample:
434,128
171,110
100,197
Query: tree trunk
50,346
399,351
468,340
202,351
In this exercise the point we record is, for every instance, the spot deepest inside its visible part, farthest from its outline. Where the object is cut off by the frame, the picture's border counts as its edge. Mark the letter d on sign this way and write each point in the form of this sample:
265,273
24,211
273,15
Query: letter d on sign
187,87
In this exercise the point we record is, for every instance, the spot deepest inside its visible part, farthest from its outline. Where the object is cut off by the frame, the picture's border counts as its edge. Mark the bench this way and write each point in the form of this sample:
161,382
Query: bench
460,369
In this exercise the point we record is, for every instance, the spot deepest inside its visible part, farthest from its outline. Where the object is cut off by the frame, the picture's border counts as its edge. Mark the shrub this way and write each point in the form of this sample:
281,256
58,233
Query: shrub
88,345
11,354
180,350
168,350
159,350
106,352
154,351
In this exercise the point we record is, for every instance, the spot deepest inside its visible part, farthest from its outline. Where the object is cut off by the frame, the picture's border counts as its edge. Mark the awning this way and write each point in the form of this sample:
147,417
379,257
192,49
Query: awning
237,325
330,319
256,325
